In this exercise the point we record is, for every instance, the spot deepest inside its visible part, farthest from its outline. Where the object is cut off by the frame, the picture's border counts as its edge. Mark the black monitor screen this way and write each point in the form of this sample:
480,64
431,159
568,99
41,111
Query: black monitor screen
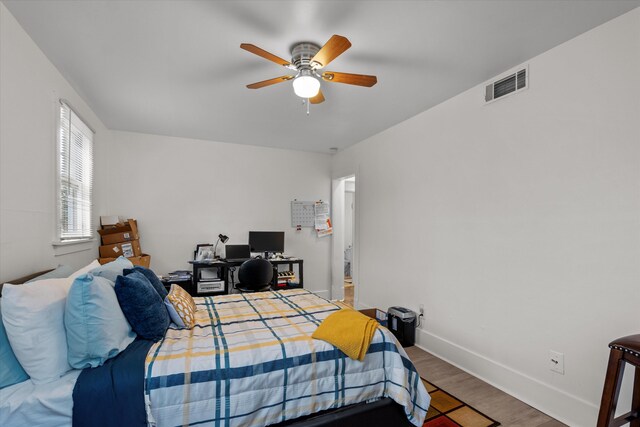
266,241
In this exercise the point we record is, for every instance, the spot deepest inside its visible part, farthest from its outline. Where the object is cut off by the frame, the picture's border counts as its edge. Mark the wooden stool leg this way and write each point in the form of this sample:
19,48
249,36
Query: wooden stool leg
611,390
635,401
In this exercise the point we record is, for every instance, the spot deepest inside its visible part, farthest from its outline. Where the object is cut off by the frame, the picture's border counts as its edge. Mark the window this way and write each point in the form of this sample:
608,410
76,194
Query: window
75,177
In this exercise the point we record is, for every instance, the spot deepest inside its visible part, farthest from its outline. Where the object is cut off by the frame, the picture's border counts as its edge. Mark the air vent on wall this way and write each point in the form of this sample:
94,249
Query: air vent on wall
507,85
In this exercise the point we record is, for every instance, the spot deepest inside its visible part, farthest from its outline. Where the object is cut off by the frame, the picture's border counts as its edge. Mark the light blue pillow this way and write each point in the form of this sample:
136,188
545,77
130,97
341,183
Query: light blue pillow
173,314
59,273
96,327
11,371
112,269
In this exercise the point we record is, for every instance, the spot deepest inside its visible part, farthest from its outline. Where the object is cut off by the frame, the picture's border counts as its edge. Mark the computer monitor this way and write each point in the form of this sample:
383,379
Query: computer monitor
266,241
237,252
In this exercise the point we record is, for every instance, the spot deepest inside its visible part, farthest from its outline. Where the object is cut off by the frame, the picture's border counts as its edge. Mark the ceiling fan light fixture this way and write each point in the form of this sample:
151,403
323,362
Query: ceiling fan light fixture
306,86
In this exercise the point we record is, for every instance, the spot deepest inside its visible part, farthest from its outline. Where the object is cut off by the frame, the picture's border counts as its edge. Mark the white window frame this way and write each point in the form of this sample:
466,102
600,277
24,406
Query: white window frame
63,235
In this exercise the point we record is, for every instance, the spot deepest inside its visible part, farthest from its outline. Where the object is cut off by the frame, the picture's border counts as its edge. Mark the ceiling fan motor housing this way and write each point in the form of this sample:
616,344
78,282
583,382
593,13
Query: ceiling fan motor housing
302,53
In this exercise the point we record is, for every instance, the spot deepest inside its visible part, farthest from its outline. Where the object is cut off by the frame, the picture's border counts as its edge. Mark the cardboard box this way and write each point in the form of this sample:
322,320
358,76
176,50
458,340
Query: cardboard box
124,236
122,232
143,260
121,238
127,249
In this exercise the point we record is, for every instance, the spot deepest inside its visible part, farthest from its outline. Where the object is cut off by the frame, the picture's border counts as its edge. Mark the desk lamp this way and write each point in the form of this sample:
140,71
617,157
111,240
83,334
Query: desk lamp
224,239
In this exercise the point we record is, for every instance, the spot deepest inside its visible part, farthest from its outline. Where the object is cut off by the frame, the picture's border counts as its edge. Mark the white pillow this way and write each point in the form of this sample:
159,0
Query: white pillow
85,270
33,317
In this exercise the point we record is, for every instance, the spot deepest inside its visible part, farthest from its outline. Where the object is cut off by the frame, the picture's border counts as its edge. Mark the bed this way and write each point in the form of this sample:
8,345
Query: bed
29,404
249,361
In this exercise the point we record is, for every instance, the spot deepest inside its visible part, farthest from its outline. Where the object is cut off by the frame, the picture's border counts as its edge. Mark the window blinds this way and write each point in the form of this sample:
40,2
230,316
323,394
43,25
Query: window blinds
75,180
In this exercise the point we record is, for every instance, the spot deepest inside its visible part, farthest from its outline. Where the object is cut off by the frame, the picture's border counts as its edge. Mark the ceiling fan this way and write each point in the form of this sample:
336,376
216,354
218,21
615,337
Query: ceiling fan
307,59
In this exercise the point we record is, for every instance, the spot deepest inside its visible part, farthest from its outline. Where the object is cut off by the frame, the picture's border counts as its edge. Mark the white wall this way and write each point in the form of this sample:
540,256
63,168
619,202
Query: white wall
30,87
185,191
519,221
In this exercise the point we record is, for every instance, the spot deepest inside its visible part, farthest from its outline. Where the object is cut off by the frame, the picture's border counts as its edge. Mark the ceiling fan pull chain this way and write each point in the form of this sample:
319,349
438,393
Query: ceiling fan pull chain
308,106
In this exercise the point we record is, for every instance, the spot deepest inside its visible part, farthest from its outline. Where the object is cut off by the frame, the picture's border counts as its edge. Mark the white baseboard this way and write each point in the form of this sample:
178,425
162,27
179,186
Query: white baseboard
564,407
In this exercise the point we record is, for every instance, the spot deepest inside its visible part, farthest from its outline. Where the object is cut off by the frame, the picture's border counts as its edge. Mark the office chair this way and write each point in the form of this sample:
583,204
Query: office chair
255,275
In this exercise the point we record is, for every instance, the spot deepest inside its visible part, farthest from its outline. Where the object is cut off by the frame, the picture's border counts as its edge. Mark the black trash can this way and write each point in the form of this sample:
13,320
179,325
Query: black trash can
402,323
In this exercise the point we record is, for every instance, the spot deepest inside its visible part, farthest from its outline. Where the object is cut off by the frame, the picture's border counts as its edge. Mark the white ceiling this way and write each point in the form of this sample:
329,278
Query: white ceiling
175,67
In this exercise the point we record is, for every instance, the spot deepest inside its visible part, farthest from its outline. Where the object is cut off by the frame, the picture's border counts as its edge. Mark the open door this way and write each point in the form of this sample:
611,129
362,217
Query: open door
349,227
344,261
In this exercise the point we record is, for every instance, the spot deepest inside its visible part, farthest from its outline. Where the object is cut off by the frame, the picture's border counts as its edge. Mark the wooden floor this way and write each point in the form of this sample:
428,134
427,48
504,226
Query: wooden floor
348,293
508,410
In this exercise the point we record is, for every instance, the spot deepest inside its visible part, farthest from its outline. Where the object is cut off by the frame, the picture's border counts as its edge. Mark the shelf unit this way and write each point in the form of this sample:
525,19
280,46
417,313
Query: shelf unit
209,278
206,272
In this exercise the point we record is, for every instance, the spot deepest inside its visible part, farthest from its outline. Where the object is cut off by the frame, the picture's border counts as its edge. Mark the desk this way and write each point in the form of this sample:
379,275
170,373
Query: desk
206,273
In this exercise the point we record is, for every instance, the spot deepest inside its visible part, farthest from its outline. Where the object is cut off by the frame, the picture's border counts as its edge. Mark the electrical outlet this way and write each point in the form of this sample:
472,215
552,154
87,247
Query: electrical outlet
556,362
421,308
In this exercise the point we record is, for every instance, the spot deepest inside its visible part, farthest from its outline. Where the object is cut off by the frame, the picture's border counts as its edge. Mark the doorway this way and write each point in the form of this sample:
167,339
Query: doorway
349,222
344,264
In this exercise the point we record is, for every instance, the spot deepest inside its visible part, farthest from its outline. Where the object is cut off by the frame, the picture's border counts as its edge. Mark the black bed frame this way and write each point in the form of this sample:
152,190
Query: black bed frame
384,413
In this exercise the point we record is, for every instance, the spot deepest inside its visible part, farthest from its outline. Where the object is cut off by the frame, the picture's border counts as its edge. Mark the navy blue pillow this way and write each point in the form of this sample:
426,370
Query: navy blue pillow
142,306
151,276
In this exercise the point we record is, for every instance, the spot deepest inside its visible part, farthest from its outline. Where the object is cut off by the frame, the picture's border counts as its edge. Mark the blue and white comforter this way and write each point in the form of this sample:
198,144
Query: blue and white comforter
251,361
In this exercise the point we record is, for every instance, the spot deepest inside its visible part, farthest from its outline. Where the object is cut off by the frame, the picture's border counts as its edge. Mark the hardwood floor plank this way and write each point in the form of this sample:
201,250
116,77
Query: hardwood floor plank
497,404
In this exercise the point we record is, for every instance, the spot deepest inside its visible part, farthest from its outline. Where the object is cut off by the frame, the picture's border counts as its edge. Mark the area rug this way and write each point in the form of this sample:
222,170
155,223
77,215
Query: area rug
449,411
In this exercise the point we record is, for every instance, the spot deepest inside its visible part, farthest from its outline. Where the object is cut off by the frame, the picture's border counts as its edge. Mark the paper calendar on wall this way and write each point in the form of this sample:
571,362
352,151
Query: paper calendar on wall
302,214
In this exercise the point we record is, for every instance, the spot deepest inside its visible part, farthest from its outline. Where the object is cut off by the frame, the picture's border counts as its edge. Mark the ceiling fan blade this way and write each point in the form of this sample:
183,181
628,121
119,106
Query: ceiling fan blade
330,51
269,82
350,79
263,53
317,99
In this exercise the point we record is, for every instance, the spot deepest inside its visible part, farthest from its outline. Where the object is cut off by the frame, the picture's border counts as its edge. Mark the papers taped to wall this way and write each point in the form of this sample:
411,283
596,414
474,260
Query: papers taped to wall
322,219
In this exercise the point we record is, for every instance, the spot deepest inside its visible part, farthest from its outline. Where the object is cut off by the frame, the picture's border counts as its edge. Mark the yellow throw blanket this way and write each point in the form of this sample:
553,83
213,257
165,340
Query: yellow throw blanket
349,330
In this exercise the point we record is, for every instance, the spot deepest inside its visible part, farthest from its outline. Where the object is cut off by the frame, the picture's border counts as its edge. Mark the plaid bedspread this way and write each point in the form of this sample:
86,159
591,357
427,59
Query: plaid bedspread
251,361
